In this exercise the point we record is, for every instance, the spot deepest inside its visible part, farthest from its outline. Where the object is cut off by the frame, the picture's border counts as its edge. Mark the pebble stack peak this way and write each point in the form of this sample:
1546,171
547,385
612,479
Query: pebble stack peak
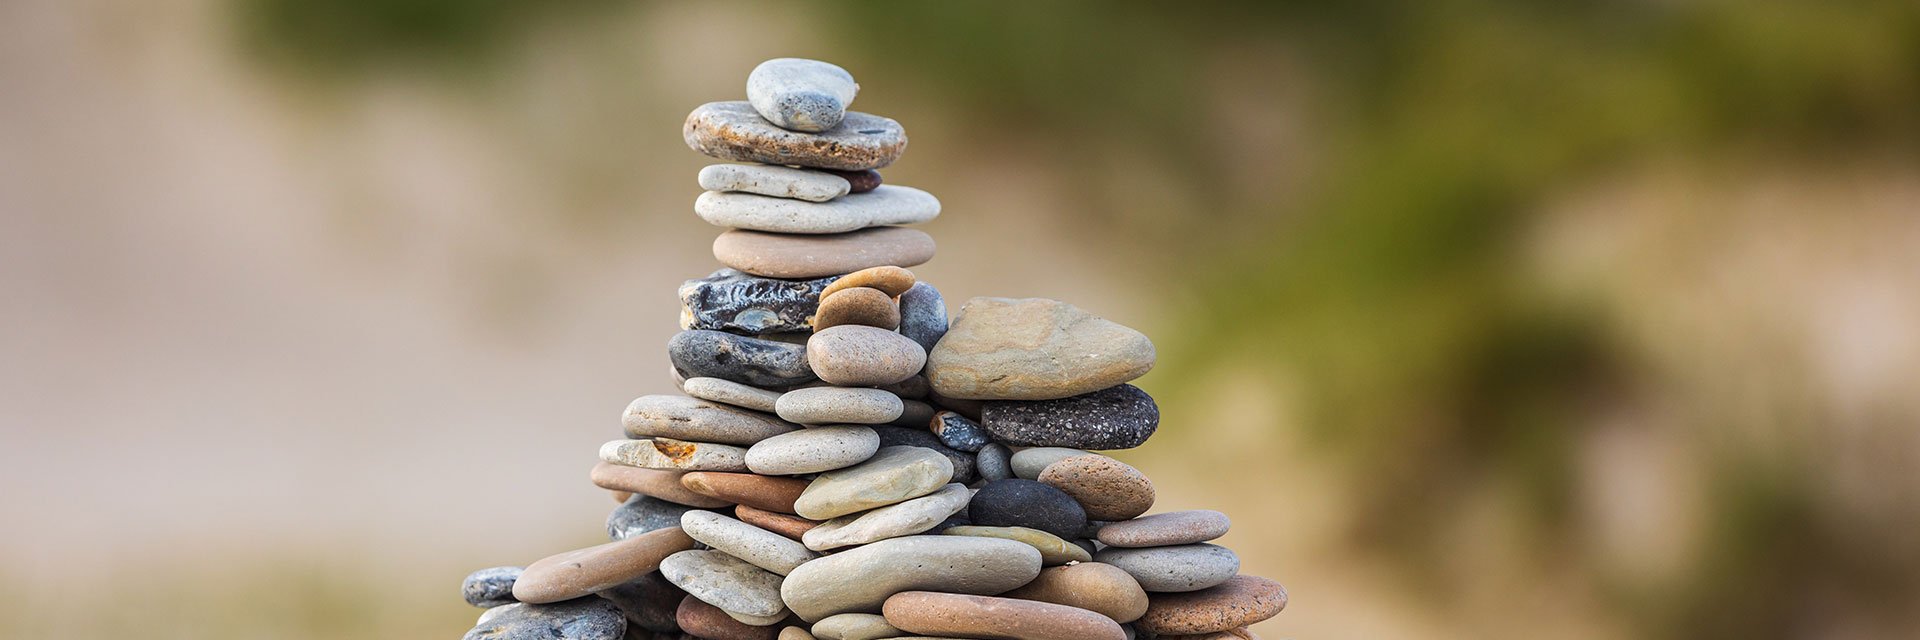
843,460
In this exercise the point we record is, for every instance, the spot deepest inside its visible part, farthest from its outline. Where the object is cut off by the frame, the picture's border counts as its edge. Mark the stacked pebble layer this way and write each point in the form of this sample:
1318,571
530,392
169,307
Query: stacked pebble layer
847,464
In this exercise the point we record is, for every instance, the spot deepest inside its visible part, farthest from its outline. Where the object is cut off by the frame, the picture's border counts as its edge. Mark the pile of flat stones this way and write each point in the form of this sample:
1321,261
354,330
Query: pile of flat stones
847,464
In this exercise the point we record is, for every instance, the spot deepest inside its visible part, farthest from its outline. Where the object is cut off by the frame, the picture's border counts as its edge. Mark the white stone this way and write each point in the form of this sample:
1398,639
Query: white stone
814,450
839,405
757,546
774,181
893,521
885,205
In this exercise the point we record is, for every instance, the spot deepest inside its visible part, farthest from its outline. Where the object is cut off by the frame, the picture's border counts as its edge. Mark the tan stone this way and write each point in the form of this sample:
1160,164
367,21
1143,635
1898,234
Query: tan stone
1034,349
1238,602
760,492
775,255
658,483
859,305
890,280
597,568
952,614
1101,588
1107,488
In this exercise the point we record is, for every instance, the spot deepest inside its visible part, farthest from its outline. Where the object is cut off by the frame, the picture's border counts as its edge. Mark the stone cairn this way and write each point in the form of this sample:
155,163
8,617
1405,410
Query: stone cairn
846,465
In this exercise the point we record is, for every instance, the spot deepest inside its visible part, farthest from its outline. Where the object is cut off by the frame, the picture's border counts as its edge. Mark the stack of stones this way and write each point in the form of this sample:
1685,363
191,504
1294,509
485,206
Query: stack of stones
845,463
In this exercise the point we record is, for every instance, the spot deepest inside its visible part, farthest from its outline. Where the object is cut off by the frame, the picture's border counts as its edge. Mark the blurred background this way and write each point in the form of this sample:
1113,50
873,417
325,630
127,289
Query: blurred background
1483,319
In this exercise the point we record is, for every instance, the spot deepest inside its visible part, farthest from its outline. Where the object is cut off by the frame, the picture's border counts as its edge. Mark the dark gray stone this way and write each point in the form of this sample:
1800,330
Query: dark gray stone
640,514
731,300
995,462
649,602
907,436
955,430
586,618
1025,503
490,587
923,315
1120,417
749,361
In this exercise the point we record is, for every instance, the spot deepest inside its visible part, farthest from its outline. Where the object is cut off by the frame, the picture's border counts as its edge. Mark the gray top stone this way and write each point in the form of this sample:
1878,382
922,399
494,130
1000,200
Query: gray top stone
801,94
684,418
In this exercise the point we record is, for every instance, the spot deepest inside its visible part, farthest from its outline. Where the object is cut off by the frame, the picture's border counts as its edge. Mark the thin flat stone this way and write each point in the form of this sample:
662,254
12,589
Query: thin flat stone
1189,567
696,420
581,619
724,581
1053,550
643,514
776,255
1034,349
1240,601
1102,588
887,205
731,300
1166,529
708,622
1030,463
923,315
799,94
490,587
786,524
1120,417
760,492
656,483
757,546
814,450
860,579
730,392
775,181
750,361
733,131
892,521
839,405
667,453
893,475
581,572
950,614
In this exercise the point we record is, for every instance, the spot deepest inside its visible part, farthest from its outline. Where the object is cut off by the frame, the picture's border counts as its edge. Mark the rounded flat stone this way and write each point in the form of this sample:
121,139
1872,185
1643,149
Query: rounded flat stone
583,571
889,280
1238,633
1187,567
729,300
655,483
994,462
1025,503
490,587
1097,587
814,450
923,315
1121,417
775,181
786,524
1240,601
733,131
706,621
730,392
1034,349
751,361
891,521
963,471
1053,550
888,205
1107,488
860,579
859,305
839,405
581,619
1166,529
795,633
757,491
758,547
951,614
855,626
693,419
667,453
643,514
1030,463
800,94
648,602
955,430
857,356
724,581
777,255
893,475
859,181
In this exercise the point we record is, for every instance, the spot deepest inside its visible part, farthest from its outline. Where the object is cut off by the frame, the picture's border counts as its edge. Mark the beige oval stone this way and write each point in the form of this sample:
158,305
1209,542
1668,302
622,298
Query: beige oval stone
1107,488
860,579
1034,349
1240,601
581,572
890,280
1053,550
857,356
859,305
895,474
1101,588
855,626
795,633
952,614
1166,529
696,420
657,483
776,255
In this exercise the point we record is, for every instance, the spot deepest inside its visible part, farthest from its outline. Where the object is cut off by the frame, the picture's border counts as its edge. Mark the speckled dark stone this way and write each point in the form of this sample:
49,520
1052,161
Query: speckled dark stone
955,430
994,462
490,587
1120,417
923,315
748,361
648,602
734,301
586,618
907,436
860,181
1025,503
640,514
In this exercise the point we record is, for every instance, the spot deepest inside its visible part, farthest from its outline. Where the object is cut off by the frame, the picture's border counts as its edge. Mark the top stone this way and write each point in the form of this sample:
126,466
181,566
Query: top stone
734,131
1033,349
801,94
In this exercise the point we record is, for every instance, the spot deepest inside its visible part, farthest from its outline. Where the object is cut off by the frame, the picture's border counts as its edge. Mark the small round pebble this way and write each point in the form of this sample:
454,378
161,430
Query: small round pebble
1109,489
1240,601
1166,529
858,181
1025,503
856,356
859,305
814,450
1030,463
839,405
994,462
923,315
1188,567
957,431
490,587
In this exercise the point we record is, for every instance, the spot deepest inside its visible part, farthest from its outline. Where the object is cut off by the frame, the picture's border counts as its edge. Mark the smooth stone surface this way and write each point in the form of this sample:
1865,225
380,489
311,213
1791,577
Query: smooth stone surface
923,315
786,524
724,581
1034,349
709,622
696,420
812,256
914,388
1121,417
950,614
1238,602
963,471
730,392
889,280
994,462
581,572
655,483
750,361
968,408
914,413
733,131
856,356
839,405
795,633
1030,463
814,450
667,453
1107,488
648,602
859,181
1188,567
1238,633
642,514
757,491
490,587
859,305
893,475
956,431
1053,550
582,619
1025,503
799,94
887,205
855,626
775,181
758,547
1166,529
892,521
739,302
1097,587
860,579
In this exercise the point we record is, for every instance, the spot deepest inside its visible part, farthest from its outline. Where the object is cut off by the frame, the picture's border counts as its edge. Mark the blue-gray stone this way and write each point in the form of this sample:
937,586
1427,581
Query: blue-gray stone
923,315
1030,504
995,462
490,587
955,430
641,514
1119,417
588,618
749,361
730,300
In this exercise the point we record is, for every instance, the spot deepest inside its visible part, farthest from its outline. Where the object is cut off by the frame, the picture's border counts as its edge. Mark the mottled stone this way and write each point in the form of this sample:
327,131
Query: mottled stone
951,614
709,622
1107,488
1097,587
776,255
839,405
963,471
856,356
888,205
648,601
814,450
860,579
1030,463
1034,349
1238,602
800,94
956,431
757,546
994,462
581,619
643,514
583,571
1166,529
889,280
1188,567
775,181
859,305
693,419
730,392
858,181
1025,503
667,453
891,521
1121,417
893,475
757,491
655,483
786,524
724,581
923,315
750,361
732,131
730,300
490,587
1053,550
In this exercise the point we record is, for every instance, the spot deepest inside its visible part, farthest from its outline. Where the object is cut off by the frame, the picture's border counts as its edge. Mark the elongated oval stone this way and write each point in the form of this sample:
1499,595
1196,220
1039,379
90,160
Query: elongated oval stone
1093,586
839,405
777,255
1034,349
1238,602
1121,417
749,361
859,580
666,453
736,301
893,475
656,483
734,131
724,581
855,626
775,181
801,94
813,450
684,418
1166,529
581,572
1053,550
1189,567
891,521
757,546
1109,489
960,615
886,205
732,393
855,356
760,492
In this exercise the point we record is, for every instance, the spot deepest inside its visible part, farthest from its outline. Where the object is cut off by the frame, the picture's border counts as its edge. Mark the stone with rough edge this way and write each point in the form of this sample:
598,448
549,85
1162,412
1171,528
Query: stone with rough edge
814,450
709,622
1166,529
1121,417
696,420
643,514
775,255
730,392
857,356
923,315
859,305
648,602
888,205
759,547
839,405
667,453
1188,567
963,471
750,361
1107,488
786,524
581,619
799,94
724,581
583,571
889,280
1025,503
895,474
1030,463
860,579
490,587
732,131
950,614
1240,601
731,300
891,521
1034,349
858,181
1053,550
757,491
1101,588
655,483
775,181
855,626
957,431
994,462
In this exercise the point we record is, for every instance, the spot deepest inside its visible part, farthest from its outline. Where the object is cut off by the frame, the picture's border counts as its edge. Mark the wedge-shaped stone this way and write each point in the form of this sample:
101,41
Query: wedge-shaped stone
684,418
893,475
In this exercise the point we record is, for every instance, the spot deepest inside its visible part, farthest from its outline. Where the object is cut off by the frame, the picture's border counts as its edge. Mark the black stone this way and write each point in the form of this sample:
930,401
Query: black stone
731,300
640,514
923,315
995,462
749,361
588,618
490,587
649,602
911,437
955,430
1120,417
1025,503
